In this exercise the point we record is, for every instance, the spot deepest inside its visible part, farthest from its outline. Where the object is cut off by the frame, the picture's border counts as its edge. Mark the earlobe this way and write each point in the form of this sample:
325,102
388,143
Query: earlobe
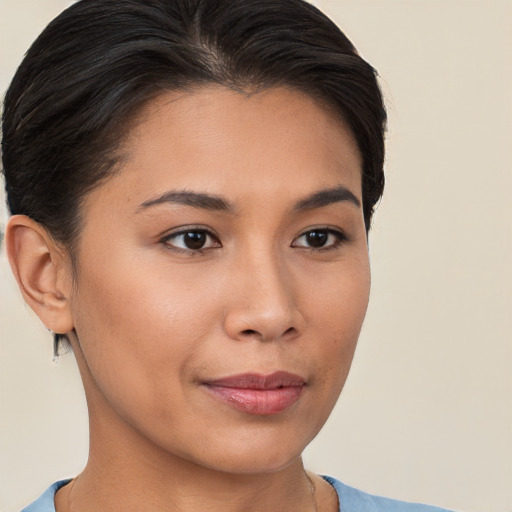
38,265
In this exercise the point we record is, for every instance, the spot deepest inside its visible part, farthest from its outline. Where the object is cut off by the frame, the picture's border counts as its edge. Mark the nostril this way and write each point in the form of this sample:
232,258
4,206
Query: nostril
289,331
250,332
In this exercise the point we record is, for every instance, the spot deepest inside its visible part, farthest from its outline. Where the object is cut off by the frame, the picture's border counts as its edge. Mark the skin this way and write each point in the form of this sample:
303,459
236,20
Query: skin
151,320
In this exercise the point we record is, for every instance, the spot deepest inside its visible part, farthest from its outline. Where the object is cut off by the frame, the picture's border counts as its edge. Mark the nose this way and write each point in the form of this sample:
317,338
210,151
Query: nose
264,303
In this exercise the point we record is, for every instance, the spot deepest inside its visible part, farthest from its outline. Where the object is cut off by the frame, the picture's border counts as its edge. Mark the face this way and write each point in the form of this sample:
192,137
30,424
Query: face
223,277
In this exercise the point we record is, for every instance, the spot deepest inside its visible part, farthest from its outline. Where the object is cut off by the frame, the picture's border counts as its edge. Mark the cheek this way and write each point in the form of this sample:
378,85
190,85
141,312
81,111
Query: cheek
139,334
338,298
336,314
129,300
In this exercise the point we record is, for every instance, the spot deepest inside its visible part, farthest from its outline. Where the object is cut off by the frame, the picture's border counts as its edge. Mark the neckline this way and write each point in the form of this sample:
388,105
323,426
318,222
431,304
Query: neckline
52,491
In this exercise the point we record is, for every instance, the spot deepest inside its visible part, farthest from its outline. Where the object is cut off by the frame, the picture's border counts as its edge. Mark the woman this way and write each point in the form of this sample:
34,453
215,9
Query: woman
192,183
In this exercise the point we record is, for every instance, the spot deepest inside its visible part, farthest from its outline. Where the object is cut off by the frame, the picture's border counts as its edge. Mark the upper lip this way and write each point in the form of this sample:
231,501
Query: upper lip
276,380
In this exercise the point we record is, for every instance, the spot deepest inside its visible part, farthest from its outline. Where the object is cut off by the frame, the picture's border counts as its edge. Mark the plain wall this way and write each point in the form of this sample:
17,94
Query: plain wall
426,414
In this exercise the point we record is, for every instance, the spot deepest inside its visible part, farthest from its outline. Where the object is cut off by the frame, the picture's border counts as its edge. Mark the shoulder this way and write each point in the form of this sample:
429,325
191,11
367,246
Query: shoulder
45,502
354,500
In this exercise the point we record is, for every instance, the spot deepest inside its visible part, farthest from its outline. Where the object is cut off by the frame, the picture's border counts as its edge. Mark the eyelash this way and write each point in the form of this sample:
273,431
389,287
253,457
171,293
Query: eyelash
188,230
340,238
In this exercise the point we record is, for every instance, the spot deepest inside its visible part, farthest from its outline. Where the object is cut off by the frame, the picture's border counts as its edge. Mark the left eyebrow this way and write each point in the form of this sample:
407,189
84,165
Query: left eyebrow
326,197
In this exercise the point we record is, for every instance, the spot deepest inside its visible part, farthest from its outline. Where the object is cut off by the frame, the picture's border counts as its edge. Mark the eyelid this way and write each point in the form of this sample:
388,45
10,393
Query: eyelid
182,230
339,234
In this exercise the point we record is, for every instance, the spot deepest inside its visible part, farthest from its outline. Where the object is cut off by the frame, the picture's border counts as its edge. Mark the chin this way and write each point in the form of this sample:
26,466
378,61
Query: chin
254,453
254,463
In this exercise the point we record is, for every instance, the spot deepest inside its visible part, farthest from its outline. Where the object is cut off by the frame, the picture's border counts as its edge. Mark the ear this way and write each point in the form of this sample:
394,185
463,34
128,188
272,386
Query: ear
42,270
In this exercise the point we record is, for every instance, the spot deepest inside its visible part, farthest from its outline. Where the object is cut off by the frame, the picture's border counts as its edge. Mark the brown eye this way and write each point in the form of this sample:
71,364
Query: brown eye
192,240
316,238
321,238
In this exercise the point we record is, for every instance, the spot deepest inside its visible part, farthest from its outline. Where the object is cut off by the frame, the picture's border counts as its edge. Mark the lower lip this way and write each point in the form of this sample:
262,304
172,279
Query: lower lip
257,401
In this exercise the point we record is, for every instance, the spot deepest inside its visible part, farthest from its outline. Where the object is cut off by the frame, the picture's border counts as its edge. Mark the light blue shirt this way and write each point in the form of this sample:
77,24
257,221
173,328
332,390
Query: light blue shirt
350,499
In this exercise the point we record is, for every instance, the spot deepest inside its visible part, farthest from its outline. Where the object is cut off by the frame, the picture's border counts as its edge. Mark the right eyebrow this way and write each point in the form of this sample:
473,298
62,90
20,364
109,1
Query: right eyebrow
194,199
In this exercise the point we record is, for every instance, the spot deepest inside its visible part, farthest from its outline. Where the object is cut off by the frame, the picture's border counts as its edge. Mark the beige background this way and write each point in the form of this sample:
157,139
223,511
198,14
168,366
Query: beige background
427,412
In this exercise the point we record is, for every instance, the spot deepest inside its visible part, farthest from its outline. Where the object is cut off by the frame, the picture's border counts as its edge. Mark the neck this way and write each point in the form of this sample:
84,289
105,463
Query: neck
123,481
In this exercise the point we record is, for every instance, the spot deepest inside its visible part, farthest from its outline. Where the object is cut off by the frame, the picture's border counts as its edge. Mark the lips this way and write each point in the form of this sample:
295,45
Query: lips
258,394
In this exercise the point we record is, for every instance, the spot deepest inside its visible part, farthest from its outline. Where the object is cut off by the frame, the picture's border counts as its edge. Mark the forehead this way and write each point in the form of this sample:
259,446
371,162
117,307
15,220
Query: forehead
225,142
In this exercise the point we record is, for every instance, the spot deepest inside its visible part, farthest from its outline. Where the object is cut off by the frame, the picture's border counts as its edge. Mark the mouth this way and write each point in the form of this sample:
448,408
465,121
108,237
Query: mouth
258,394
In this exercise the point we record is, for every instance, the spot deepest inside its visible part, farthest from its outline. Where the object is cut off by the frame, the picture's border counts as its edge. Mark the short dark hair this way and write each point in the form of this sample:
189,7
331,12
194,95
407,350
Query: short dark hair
69,105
